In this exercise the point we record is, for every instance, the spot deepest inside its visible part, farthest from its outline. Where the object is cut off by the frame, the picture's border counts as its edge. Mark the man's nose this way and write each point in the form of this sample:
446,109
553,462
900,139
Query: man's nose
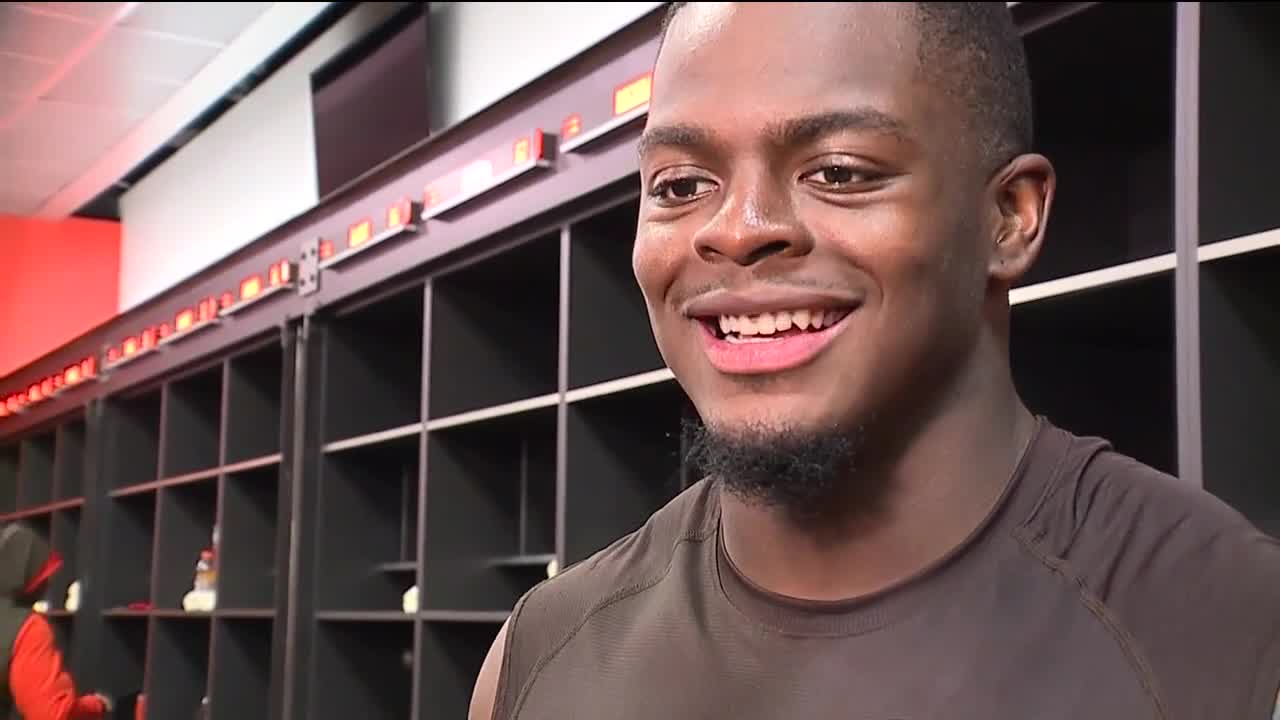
755,221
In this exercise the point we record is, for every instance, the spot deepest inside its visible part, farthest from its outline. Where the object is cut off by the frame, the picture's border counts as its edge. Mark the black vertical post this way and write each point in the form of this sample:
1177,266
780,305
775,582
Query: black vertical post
299,488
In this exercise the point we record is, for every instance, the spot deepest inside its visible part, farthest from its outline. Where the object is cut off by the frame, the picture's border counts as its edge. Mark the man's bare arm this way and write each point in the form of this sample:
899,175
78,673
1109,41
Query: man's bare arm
484,695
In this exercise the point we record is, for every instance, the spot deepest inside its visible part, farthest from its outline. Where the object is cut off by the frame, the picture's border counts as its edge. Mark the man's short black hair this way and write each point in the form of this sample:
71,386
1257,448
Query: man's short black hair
973,51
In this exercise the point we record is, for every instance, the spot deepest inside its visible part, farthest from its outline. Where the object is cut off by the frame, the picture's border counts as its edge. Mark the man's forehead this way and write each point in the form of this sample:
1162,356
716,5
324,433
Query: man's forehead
697,25
781,52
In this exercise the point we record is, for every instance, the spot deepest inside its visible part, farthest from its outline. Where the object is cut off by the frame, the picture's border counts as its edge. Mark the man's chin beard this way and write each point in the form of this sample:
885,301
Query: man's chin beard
806,474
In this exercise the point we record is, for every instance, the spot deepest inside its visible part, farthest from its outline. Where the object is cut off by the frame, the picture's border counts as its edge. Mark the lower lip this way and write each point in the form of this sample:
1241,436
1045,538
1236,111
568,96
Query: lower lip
771,356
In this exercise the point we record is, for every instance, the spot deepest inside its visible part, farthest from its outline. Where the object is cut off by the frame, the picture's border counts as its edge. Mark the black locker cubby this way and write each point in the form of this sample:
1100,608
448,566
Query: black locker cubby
184,527
1239,114
609,331
368,526
254,396
1100,361
122,667
449,660
373,367
10,456
133,444
1240,382
366,670
192,423
35,475
1239,305
625,458
178,667
247,551
491,521
131,521
464,420
68,482
1103,98
241,677
495,329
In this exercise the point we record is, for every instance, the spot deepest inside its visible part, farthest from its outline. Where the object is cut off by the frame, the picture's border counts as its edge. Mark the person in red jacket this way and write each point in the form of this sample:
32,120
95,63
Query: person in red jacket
35,686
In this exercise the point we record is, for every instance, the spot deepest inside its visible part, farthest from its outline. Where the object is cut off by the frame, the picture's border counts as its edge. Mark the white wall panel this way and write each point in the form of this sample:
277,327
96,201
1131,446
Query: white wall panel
246,174
483,51
254,168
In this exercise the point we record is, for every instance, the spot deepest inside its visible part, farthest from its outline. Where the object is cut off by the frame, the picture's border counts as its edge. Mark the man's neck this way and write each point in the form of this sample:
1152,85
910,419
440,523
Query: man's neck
940,487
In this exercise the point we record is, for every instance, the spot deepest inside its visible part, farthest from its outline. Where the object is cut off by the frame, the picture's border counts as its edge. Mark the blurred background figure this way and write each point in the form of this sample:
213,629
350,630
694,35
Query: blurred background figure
36,686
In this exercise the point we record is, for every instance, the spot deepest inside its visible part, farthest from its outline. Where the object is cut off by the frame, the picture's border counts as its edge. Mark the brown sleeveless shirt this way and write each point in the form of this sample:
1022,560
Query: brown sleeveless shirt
1099,589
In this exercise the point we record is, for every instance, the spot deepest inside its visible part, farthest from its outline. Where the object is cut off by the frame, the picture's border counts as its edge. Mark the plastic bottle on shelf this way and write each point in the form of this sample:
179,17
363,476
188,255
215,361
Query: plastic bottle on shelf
206,572
203,595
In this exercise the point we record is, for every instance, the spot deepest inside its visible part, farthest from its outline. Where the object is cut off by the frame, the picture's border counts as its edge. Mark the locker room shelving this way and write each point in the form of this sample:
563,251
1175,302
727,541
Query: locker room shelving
196,450
469,410
41,487
1239,257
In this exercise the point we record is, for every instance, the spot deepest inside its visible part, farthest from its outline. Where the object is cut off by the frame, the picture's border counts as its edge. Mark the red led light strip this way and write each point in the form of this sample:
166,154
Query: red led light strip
49,387
258,286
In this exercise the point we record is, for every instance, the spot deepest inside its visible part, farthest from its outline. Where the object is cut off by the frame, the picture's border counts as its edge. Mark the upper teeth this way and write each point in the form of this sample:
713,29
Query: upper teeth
769,323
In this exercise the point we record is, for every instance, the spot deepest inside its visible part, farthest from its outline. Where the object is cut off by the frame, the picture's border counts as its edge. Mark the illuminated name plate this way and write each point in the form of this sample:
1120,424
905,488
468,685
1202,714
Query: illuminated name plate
401,218
487,173
629,102
48,388
258,287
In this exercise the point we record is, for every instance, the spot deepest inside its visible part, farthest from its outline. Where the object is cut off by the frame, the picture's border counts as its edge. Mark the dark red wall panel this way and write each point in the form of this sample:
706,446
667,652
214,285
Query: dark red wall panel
60,280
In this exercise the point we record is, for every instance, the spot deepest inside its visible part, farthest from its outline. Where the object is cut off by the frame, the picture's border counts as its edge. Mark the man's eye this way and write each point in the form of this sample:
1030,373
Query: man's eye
683,187
836,175
677,189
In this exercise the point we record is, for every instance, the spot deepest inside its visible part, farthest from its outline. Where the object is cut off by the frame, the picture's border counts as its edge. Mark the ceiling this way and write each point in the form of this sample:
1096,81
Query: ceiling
91,91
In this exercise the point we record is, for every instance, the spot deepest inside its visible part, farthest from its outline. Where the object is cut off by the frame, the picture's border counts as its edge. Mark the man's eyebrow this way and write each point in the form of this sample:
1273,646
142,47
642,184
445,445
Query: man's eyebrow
810,128
788,132
674,136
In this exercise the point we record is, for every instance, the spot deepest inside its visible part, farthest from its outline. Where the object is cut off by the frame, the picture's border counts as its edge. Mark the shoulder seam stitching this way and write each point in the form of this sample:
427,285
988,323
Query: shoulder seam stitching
1101,613
504,671
618,596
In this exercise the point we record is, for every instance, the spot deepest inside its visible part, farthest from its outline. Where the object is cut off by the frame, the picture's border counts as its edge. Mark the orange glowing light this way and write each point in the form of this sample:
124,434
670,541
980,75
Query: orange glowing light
633,95
359,233
571,126
398,214
250,287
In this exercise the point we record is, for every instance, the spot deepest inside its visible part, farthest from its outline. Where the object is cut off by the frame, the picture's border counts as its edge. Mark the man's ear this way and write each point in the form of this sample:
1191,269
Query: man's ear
1023,194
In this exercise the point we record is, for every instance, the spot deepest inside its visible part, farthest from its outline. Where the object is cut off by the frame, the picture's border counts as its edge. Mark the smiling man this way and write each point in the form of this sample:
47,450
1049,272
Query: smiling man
837,198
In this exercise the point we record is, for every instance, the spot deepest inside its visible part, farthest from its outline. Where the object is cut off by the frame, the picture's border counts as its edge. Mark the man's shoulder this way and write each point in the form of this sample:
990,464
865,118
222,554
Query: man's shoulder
1109,508
1185,580
634,563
